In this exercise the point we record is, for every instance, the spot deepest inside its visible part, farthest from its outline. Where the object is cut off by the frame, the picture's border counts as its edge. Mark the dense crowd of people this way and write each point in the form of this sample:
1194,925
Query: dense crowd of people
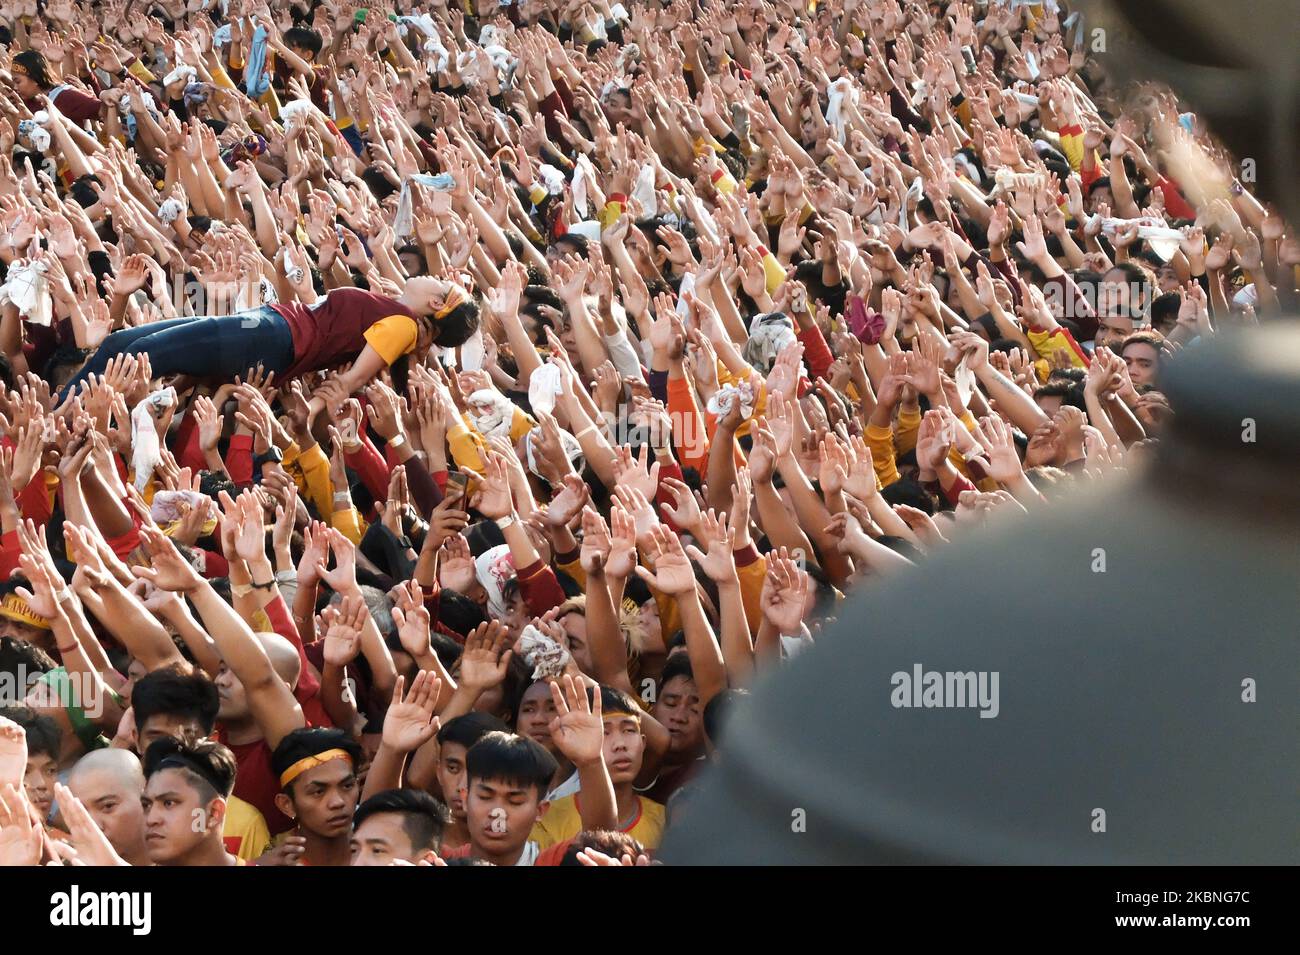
422,422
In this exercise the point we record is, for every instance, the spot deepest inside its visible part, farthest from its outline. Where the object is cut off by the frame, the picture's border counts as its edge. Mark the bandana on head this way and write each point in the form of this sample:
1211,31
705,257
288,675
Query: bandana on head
544,655
246,149
455,298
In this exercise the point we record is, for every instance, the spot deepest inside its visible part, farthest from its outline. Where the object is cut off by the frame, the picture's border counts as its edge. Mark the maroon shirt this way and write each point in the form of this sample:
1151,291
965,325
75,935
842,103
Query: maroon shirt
333,330
74,104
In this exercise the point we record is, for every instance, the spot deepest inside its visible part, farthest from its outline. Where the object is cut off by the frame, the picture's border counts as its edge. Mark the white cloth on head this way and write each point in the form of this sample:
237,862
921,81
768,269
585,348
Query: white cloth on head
544,655
28,290
495,568
146,449
589,229
552,179
491,412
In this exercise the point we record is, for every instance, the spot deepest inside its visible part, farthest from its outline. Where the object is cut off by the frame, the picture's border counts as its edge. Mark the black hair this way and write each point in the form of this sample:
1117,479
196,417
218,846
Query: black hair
36,66
458,325
176,690
1102,182
309,741
578,244
470,728
611,842
1165,308
909,492
43,735
203,760
379,184
17,656
512,759
679,664
543,295
614,700
718,709
457,612
423,817
304,39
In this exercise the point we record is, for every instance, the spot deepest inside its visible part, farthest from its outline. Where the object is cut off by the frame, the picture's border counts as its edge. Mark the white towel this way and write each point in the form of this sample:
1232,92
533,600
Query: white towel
146,450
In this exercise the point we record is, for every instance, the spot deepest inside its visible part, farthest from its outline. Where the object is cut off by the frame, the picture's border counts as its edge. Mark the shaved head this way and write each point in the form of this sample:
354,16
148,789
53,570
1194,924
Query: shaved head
120,765
283,655
110,782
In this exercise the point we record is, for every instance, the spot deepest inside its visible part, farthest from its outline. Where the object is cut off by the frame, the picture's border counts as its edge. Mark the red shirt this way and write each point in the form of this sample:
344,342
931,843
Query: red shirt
333,330
256,782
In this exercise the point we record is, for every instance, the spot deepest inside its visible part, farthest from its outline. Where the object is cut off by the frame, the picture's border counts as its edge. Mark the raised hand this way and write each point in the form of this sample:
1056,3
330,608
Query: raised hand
409,722
717,560
486,657
785,593
578,729
672,568
343,631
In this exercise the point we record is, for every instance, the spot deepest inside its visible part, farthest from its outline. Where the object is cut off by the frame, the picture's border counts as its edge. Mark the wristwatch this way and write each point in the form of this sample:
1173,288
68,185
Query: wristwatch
273,453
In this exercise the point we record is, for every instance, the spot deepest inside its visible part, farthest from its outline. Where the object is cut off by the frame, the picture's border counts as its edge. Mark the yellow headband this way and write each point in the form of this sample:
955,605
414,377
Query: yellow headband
456,297
19,69
311,762
15,608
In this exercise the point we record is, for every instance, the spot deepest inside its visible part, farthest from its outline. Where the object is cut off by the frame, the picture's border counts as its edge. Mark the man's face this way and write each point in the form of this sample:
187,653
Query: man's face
165,726
234,703
536,710
36,636
381,839
575,632
451,777
1050,404
1142,360
1167,279
624,747
324,798
176,817
115,806
500,814
678,709
1111,331
1099,196
38,781
413,264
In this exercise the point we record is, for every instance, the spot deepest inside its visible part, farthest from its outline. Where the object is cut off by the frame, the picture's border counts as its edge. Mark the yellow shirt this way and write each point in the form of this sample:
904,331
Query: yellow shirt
563,821
244,832
393,337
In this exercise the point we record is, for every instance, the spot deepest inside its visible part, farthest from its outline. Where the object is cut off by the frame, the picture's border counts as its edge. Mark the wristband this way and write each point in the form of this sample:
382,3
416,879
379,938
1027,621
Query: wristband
397,441
504,522
63,651
266,586
241,590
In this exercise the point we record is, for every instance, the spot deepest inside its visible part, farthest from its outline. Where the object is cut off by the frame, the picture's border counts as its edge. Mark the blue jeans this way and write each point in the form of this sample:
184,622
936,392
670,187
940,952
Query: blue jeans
204,346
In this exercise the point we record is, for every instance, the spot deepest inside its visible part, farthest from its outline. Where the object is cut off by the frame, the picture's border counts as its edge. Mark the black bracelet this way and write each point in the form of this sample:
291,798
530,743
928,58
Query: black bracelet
266,586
